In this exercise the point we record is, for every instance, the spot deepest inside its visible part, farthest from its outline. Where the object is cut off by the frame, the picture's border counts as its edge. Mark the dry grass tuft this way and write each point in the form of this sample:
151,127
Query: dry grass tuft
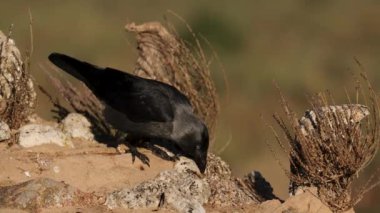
165,57
328,147
17,95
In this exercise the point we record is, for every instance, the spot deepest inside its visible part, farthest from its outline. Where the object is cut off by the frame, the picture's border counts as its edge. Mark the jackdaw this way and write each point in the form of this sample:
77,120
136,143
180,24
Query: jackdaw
145,108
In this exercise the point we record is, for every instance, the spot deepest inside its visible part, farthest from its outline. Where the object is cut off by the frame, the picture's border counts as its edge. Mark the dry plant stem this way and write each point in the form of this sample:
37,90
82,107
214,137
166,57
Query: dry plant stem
331,153
29,52
17,95
165,57
368,186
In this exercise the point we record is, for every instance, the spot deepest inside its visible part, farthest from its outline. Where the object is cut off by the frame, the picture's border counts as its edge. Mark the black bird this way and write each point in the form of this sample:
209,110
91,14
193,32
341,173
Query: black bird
145,108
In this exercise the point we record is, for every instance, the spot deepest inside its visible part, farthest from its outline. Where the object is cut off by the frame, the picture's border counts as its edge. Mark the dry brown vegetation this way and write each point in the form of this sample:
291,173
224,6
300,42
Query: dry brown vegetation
165,57
331,156
17,95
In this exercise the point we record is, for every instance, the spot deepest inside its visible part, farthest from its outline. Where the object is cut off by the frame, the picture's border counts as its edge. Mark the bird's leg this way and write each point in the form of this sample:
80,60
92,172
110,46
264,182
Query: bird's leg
135,153
132,144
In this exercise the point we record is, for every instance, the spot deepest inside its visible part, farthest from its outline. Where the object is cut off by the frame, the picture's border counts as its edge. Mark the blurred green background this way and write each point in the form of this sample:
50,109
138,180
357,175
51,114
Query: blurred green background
306,46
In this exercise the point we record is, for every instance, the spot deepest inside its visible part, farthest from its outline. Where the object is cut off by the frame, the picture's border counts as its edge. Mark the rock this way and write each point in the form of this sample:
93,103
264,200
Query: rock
76,125
37,134
56,169
35,118
226,190
268,206
5,132
42,193
27,173
181,189
305,202
17,94
10,66
350,114
260,187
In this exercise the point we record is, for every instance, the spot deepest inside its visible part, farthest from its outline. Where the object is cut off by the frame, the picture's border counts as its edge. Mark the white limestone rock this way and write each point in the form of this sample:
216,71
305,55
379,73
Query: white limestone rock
5,132
181,188
16,84
76,125
37,134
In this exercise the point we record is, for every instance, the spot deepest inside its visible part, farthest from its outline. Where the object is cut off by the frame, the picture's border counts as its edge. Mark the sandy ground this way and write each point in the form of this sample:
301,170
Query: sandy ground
90,167
95,168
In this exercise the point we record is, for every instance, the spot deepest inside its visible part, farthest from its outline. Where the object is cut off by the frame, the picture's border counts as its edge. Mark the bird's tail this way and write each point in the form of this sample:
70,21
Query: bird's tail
81,70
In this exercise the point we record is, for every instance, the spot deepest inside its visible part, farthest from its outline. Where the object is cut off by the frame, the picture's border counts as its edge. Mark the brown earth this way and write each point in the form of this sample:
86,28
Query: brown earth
90,167
94,168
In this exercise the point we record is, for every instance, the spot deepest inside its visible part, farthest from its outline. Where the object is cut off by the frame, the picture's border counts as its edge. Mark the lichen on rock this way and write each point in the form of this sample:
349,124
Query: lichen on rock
73,126
17,94
37,134
42,193
181,188
5,132
226,190
76,125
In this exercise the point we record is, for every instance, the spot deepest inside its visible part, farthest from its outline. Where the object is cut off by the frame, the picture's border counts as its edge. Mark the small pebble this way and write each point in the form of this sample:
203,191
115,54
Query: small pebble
56,169
27,173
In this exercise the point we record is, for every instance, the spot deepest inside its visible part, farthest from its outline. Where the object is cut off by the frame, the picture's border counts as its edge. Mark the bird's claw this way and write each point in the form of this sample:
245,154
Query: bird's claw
143,158
135,153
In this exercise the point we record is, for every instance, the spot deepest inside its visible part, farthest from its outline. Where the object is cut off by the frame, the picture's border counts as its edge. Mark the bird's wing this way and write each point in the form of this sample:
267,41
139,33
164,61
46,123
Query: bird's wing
141,100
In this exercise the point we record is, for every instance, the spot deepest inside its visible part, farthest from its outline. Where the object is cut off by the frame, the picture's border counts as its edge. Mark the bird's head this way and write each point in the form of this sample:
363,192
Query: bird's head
195,146
201,148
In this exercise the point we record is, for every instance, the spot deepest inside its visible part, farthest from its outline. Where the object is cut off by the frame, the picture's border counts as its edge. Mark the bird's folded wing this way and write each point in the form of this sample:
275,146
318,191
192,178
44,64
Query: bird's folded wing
141,100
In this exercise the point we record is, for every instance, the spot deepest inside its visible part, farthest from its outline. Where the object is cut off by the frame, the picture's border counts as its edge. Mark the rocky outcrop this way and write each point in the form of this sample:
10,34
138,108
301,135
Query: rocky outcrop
5,132
181,189
17,94
37,134
307,201
73,126
43,193
226,190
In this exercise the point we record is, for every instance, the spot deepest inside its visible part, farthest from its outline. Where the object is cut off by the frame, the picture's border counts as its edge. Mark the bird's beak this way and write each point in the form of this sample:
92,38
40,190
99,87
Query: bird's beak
201,161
